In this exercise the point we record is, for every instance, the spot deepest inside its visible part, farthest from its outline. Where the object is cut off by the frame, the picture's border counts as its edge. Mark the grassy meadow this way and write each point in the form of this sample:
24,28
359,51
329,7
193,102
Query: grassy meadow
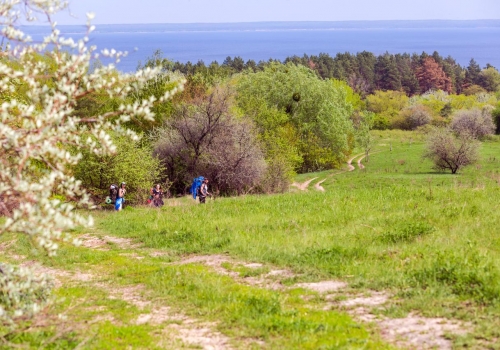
430,240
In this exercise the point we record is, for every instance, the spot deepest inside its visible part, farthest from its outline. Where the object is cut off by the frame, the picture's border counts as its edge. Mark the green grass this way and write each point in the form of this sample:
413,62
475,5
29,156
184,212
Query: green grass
431,239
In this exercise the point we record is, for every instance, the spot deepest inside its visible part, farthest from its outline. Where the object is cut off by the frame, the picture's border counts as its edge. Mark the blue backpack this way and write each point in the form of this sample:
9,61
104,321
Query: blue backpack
195,187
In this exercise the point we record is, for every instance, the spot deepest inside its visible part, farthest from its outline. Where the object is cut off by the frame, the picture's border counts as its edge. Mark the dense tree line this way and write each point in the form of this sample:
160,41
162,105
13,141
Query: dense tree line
251,126
365,72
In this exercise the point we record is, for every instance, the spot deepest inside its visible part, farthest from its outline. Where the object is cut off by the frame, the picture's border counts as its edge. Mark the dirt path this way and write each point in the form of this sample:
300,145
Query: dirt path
349,162
303,186
319,187
360,165
412,331
178,328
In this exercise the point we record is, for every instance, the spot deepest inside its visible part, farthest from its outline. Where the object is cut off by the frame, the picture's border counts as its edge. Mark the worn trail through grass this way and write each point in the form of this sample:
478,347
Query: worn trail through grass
394,256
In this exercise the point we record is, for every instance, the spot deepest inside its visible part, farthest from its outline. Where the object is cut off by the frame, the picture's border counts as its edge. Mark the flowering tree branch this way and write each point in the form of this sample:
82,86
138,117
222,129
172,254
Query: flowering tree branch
38,123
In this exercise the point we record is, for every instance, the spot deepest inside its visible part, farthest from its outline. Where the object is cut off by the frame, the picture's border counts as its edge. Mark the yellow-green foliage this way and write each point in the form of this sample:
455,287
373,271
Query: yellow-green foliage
132,163
311,105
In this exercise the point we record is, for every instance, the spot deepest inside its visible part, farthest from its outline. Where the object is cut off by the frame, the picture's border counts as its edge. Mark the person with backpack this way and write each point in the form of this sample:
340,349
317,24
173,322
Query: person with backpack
204,191
113,194
157,196
120,200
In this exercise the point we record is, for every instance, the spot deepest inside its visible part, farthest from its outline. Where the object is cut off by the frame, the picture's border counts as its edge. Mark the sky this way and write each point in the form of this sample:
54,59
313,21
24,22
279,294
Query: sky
221,11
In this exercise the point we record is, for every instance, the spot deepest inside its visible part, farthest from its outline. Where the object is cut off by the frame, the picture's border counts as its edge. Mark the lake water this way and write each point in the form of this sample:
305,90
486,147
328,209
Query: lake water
462,40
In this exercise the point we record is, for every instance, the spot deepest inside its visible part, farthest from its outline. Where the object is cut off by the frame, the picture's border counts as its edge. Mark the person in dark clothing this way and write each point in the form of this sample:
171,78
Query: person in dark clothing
157,196
204,191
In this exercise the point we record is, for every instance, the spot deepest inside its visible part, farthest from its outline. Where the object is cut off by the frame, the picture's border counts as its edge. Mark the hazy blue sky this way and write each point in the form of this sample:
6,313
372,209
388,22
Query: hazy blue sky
189,11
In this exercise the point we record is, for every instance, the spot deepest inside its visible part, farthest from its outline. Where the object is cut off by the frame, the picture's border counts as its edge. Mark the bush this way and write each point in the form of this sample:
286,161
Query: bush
474,122
132,163
205,138
414,117
496,118
450,152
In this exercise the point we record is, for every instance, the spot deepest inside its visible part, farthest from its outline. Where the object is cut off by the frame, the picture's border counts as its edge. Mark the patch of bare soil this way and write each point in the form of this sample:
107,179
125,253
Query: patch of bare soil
303,186
360,165
130,294
123,243
376,298
5,245
419,332
159,316
270,280
57,275
413,331
187,330
202,336
324,286
319,187
98,243
93,242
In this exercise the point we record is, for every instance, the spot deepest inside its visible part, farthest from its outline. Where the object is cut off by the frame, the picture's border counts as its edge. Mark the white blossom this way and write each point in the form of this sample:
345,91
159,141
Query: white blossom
38,127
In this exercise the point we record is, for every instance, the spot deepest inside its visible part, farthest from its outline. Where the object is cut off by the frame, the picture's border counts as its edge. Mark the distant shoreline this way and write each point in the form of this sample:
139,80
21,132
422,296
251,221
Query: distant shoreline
306,25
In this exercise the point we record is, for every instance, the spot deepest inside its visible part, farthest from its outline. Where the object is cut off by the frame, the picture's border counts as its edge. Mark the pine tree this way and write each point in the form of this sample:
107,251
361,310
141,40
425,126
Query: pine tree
387,74
473,73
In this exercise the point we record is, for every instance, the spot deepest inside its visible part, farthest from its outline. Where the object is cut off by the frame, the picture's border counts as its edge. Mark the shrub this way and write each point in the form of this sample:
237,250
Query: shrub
450,152
474,122
473,89
414,117
205,138
133,163
496,118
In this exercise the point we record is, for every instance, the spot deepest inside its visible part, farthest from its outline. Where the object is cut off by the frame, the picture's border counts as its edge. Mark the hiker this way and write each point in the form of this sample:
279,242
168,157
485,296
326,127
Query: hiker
157,196
204,191
120,200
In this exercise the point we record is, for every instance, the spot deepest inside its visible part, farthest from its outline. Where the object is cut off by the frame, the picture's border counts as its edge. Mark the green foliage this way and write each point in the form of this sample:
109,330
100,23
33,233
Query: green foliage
496,118
317,109
386,105
163,83
464,274
132,163
407,232
490,78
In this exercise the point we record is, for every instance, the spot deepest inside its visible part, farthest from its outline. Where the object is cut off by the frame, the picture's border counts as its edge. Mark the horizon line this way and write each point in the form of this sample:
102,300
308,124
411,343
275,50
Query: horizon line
278,21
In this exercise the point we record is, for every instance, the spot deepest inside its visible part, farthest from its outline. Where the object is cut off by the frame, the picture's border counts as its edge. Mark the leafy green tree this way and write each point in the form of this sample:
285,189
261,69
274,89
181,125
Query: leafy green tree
496,118
386,105
409,82
490,78
133,163
317,109
362,125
